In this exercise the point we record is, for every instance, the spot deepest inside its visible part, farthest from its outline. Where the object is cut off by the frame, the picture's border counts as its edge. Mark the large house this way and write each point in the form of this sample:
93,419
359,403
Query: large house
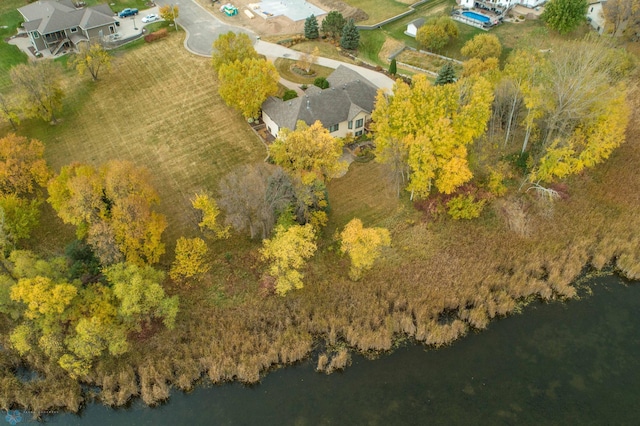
342,108
55,24
499,6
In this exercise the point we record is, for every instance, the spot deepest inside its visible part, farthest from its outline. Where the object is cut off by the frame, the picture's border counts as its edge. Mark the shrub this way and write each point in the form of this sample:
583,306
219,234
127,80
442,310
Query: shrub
465,207
289,94
156,35
321,82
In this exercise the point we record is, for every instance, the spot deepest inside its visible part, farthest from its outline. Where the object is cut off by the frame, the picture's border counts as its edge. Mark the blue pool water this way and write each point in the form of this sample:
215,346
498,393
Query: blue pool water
476,16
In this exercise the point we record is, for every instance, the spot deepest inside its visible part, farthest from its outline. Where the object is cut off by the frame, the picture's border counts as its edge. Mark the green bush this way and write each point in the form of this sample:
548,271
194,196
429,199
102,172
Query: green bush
465,207
321,82
289,94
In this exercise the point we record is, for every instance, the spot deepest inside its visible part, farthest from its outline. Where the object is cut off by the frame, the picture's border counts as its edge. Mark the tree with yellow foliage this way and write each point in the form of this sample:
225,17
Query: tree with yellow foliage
286,253
231,47
91,58
246,85
482,46
113,206
309,152
22,166
210,212
585,112
191,258
363,245
428,128
170,14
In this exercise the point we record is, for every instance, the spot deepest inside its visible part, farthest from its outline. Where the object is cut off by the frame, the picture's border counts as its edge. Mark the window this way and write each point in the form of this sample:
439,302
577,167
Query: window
74,29
334,128
359,133
350,124
35,34
359,123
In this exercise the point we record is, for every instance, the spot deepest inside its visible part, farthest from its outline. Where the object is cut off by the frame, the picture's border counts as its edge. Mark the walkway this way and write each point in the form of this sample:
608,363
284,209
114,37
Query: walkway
203,29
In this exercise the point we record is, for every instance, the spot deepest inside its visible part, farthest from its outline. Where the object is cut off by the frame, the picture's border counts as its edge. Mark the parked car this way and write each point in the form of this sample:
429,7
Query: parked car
128,12
150,18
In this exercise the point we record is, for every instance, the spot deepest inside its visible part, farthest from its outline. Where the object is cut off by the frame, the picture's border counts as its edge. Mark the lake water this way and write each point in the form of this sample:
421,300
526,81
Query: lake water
572,363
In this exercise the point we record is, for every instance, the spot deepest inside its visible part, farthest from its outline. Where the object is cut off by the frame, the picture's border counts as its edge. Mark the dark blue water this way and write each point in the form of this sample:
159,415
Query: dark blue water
573,363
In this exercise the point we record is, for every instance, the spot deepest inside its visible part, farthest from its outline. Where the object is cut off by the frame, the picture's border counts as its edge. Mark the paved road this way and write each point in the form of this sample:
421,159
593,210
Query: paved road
203,28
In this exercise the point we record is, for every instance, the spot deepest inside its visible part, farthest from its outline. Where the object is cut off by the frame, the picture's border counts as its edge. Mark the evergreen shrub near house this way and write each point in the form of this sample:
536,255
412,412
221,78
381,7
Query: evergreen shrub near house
321,82
289,94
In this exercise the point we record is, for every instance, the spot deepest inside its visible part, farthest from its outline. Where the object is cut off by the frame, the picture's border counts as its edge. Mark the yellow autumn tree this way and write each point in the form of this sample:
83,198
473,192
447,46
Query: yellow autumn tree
423,131
585,112
191,258
309,152
363,245
91,58
210,216
246,85
22,165
287,253
231,47
482,46
170,13
112,207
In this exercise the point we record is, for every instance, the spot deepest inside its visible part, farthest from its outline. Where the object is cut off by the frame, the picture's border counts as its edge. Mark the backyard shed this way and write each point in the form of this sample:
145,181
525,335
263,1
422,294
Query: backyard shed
412,27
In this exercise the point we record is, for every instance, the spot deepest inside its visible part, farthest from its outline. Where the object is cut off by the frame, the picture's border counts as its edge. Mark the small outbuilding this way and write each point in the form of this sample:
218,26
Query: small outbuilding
229,9
412,27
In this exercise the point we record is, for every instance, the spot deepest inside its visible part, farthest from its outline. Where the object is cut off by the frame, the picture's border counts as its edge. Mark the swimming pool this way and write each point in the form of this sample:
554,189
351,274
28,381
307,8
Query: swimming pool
476,17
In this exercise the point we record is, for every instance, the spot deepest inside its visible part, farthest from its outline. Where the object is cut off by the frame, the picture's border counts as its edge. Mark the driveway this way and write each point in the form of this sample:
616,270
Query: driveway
201,26
203,29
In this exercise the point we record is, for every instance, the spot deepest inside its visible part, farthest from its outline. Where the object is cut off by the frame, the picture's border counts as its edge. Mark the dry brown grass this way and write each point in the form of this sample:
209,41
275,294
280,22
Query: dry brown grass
159,108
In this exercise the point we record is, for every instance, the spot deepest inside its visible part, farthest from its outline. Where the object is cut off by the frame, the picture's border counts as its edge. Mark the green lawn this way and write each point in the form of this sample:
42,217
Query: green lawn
9,55
378,10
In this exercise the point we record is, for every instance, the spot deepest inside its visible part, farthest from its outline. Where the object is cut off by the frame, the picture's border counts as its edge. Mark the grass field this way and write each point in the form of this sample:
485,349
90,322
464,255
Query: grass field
162,114
378,10
9,55
426,62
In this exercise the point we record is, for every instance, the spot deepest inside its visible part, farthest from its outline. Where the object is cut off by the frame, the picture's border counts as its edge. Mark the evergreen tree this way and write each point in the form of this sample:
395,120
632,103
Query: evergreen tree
393,67
333,23
446,75
350,36
311,28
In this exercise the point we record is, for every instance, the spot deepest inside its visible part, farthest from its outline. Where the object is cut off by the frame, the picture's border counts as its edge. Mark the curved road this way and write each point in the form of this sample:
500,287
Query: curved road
203,28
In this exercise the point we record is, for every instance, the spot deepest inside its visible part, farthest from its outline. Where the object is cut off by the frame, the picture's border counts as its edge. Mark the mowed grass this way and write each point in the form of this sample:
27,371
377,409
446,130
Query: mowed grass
364,192
158,108
9,55
378,10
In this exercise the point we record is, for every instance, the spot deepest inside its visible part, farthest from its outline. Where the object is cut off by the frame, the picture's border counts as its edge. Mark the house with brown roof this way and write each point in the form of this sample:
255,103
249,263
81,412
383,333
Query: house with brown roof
54,24
343,108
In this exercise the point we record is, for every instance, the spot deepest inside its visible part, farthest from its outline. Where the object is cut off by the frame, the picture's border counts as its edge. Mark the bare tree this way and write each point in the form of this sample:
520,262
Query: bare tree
253,195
